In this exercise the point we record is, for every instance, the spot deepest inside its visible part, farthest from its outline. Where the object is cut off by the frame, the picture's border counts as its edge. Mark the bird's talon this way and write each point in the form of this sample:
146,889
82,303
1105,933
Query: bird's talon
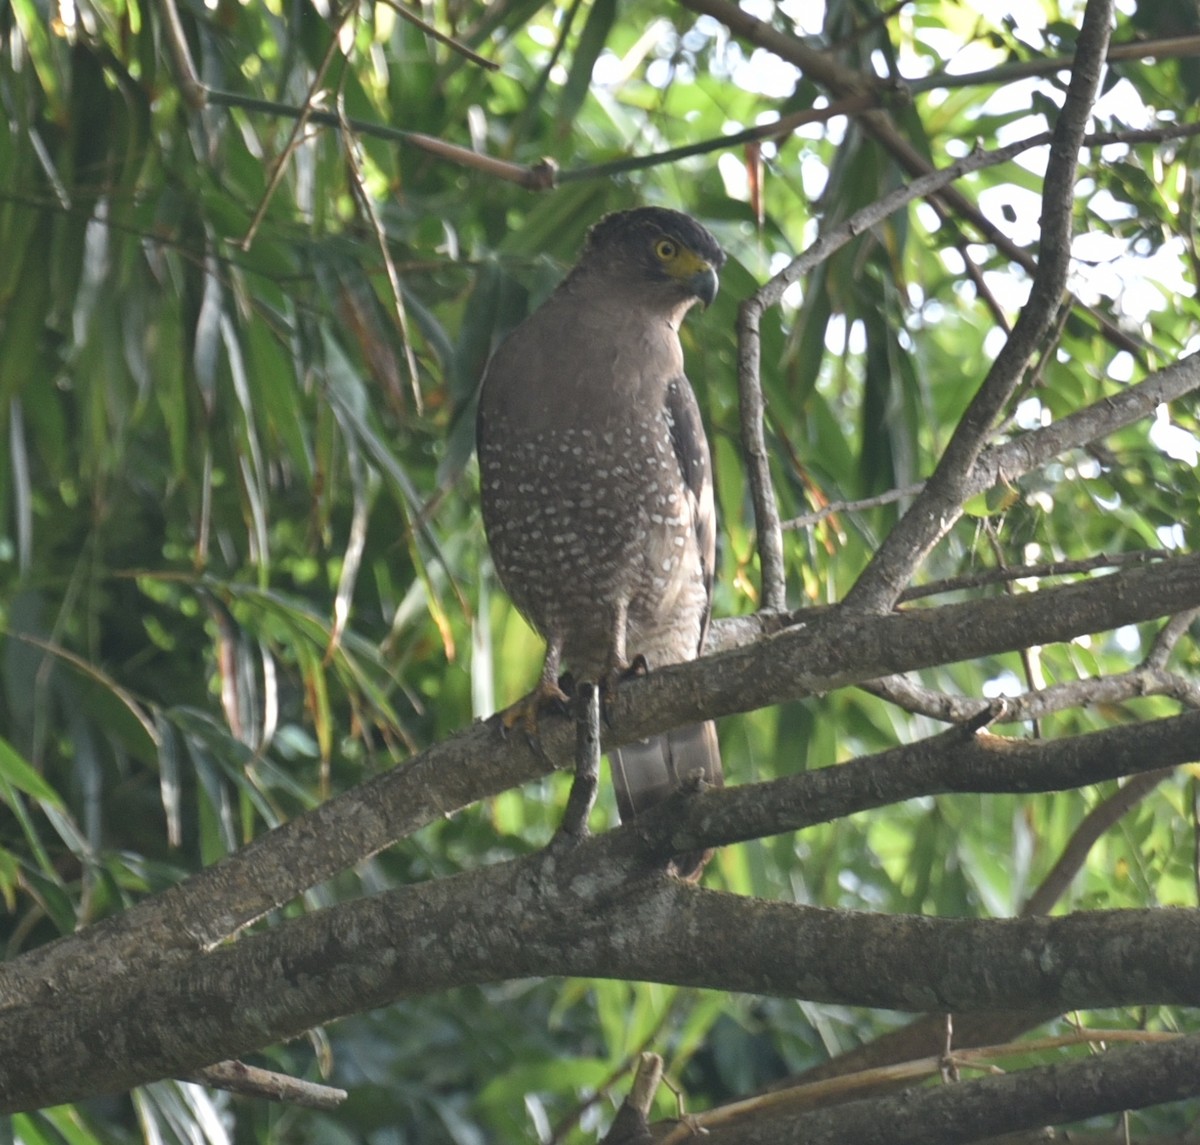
526,712
638,666
534,742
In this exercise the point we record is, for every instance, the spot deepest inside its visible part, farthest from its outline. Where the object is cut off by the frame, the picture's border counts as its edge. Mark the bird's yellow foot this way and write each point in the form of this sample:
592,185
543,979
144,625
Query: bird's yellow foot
527,710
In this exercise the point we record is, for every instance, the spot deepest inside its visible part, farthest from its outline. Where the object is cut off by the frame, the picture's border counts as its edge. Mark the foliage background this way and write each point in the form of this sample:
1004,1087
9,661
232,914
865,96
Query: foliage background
241,562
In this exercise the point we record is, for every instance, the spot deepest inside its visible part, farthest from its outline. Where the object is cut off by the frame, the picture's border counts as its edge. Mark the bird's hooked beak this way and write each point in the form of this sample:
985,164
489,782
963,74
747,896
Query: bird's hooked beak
704,283
697,274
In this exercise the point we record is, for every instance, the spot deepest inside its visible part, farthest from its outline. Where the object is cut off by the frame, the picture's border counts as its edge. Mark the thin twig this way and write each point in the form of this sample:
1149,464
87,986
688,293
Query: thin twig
1168,636
776,131
294,138
533,102
195,94
1115,689
235,1077
1149,678
1025,69
833,1091
630,1127
751,402
571,1119
357,181
1030,655
441,37
807,520
544,174
984,577
974,273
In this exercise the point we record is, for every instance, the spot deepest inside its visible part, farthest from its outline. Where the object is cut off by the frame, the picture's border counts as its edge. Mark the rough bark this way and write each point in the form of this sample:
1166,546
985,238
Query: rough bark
830,650
591,912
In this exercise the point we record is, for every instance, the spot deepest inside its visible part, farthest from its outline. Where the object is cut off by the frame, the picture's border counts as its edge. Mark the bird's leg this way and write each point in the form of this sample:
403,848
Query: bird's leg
574,825
526,710
619,667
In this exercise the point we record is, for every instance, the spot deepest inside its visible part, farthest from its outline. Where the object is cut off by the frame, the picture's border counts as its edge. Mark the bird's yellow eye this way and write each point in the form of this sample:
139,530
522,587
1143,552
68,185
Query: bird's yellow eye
665,249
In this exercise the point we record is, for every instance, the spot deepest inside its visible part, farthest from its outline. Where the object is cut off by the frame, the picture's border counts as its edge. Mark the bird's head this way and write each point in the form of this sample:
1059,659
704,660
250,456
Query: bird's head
665,255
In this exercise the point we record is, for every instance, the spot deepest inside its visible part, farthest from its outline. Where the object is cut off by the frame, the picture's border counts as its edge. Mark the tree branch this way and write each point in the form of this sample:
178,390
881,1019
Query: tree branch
870,1083
1122,1079
940,504
1004,463
1096,823
750,396
593,911
953,761
829,650
251,1081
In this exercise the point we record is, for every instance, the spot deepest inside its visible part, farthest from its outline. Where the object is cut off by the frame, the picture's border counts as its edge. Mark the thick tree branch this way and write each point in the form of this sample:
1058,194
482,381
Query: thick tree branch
490,923
831,649
954,761
940,503
979,1028
583,913
843,82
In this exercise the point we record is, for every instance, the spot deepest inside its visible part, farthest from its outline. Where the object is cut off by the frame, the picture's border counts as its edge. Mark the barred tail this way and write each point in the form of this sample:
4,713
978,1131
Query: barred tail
646,772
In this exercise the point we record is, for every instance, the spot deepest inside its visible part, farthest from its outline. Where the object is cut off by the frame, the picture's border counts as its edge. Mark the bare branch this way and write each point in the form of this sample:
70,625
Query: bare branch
778,130
1163,49
539,176
441,37
195,94
1123,1079
869,1082
1003,464
1095,824
751,403
1007,462
827,649
1169,635
594,910
807,520
984,577
251,1081
630,1125
940,504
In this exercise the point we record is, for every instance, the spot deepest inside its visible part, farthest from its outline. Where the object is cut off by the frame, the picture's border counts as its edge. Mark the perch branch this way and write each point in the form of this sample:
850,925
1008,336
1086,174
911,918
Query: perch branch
827,650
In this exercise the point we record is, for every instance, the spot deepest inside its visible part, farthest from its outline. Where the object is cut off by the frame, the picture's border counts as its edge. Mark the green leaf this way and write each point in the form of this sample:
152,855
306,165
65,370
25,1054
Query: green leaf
22,776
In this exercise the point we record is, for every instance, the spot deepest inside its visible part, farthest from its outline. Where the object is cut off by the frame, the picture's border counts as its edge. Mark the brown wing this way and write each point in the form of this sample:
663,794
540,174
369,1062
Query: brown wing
691,450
